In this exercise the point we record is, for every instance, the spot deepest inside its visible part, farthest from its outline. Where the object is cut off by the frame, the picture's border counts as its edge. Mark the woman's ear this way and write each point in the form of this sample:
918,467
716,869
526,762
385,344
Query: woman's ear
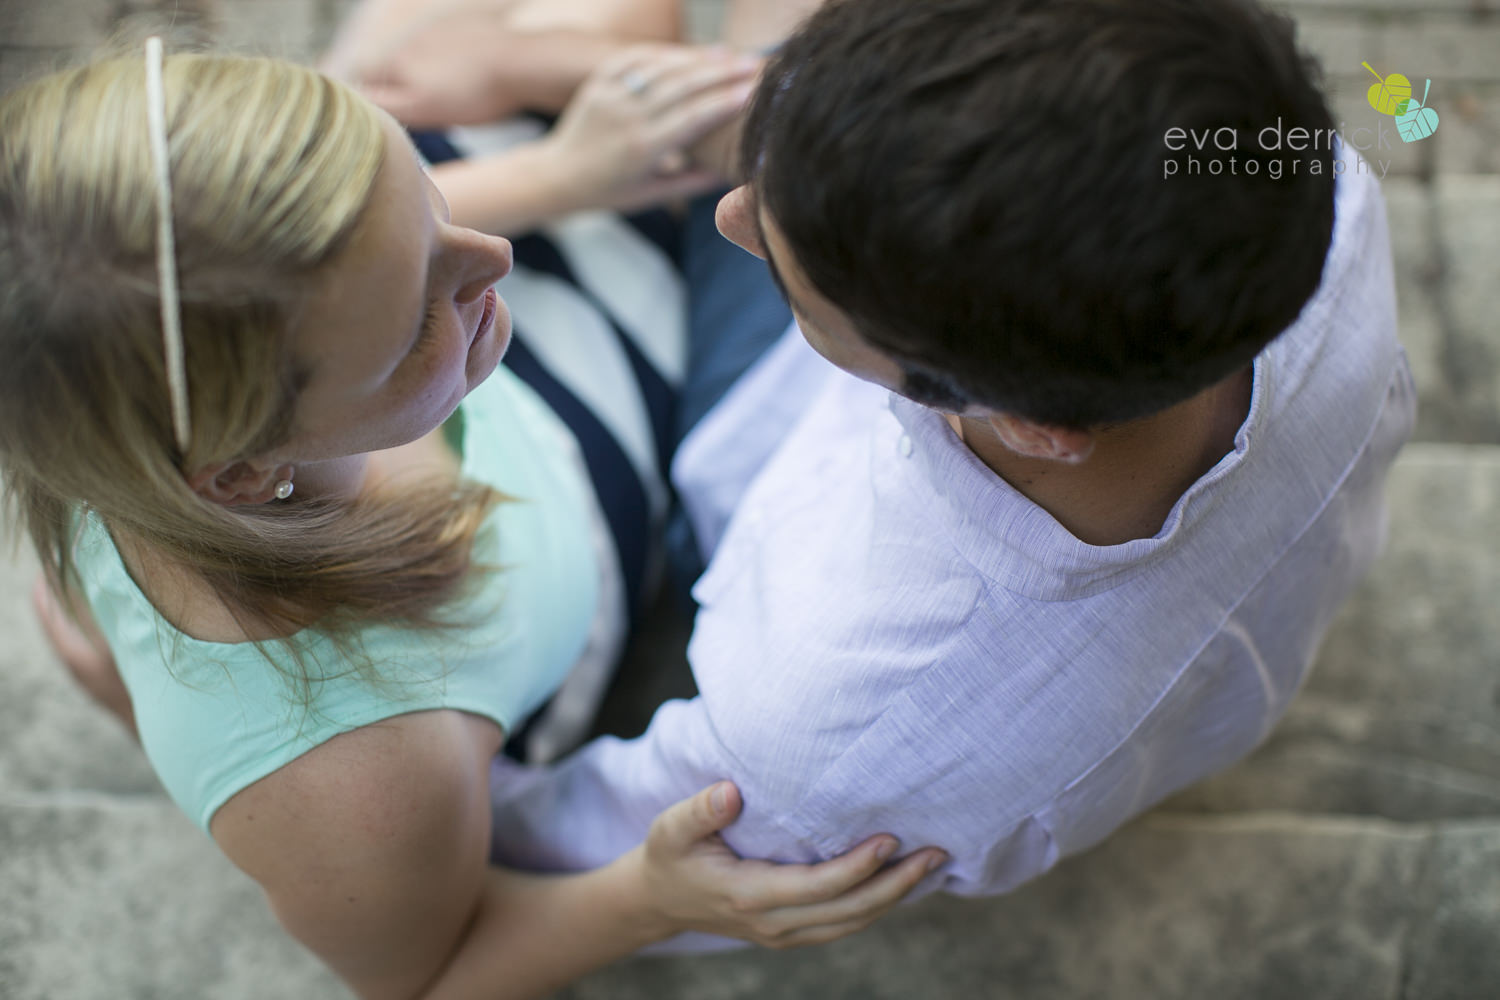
1057,444
231,484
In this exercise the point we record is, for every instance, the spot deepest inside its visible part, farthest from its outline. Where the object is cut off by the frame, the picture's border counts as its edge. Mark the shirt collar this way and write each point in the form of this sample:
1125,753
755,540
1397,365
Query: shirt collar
1011,540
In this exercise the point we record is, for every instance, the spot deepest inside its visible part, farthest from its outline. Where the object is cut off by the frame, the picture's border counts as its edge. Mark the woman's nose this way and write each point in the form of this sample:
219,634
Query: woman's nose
490,260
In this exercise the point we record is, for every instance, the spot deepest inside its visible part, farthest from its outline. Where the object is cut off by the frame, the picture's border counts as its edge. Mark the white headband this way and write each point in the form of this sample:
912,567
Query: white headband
166,249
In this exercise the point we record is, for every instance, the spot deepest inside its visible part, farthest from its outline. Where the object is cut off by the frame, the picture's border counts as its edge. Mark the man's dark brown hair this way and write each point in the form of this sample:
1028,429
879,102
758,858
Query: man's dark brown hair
979,185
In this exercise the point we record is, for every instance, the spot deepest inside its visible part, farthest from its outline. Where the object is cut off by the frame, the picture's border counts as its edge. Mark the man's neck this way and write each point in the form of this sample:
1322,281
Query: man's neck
1137,470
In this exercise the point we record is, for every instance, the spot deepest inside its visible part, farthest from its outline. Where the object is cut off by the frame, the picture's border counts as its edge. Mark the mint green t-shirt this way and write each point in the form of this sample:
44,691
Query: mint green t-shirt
216,717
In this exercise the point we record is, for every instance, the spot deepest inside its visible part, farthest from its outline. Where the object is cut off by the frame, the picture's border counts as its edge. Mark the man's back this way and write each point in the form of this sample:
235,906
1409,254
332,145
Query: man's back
892,638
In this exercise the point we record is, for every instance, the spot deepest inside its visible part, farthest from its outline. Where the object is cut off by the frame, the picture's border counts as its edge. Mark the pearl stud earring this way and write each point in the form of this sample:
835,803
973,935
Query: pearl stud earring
283,489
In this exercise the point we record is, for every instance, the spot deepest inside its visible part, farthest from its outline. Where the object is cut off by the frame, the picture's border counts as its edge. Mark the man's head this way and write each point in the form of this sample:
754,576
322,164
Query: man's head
965,199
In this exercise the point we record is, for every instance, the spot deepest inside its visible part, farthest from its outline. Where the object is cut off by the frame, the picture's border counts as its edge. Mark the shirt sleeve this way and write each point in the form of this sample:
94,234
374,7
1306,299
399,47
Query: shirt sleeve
599,803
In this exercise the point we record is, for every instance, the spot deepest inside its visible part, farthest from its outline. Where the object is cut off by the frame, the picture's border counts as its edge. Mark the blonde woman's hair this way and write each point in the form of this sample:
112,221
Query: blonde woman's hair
272,166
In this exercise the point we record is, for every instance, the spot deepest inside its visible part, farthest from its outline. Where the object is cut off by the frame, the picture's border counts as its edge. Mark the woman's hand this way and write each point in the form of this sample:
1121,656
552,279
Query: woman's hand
693,881
621,142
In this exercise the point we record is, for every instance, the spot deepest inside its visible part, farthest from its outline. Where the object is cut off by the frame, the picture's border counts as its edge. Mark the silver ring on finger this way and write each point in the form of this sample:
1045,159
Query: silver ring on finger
673,161
636,82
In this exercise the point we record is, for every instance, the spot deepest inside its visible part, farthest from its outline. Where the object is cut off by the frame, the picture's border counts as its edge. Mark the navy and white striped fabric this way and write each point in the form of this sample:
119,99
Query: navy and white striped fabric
598,305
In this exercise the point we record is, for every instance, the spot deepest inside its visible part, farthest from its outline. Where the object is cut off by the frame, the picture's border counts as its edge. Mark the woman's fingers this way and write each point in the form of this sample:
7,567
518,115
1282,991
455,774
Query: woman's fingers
858,906
640,66
689,79
821,934
661,79
696,882
775,886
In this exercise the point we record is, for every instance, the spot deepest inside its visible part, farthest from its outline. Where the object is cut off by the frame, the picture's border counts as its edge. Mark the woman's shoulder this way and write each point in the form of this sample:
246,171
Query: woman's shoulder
372,848
359,772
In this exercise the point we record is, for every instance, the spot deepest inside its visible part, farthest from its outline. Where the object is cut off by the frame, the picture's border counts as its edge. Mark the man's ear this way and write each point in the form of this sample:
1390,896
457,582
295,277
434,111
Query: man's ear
1046,441
735,217
231,484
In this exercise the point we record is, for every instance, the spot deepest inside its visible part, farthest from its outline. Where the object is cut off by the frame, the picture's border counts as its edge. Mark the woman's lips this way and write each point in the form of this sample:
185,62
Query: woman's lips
487,317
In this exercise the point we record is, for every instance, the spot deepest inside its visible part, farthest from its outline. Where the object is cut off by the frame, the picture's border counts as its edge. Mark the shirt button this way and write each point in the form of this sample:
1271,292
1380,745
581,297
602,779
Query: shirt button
904,446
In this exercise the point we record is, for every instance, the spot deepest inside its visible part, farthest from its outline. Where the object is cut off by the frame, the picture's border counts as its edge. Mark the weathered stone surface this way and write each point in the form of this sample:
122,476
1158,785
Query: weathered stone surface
81,25
1452,954
108,898
286,29
1441,47
1445,238
1340,43
1469,214
1235,908
52,738
1386,8
116,899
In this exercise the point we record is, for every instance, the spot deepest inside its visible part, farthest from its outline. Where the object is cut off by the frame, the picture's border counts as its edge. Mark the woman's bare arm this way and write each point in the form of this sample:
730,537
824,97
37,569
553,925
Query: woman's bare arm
372,850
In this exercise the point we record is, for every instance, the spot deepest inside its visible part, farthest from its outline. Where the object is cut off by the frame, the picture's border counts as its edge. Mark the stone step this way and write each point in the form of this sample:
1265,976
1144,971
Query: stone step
109,897
113,898
1259,907
1445,238
1451,42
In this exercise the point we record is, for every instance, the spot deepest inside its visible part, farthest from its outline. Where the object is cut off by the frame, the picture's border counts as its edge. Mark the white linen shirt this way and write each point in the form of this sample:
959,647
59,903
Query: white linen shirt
892,639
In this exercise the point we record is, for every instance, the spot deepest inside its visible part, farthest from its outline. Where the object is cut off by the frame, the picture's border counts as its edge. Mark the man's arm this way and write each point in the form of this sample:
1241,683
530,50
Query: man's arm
596,804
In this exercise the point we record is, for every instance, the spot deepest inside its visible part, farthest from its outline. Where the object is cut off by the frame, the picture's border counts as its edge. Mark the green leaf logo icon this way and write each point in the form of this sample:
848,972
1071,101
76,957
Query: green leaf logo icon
1415,121
1390,95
